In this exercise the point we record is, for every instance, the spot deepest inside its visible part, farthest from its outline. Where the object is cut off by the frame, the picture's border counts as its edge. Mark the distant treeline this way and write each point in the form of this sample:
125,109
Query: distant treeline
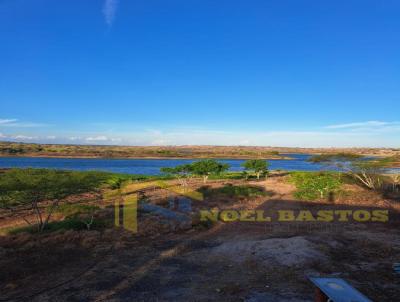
23,149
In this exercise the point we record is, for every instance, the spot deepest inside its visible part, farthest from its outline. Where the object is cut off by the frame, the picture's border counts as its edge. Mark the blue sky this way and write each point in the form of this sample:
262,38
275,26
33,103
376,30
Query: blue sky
130,72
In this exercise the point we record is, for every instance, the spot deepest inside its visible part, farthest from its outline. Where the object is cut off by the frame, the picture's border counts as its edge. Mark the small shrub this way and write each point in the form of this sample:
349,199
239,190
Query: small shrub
312,186
81,212
71,223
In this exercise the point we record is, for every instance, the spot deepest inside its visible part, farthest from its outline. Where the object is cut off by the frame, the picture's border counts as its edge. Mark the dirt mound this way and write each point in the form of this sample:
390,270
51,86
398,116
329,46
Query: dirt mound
294,251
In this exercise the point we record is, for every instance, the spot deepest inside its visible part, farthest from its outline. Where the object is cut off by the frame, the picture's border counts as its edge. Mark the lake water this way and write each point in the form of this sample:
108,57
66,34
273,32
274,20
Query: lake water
144,166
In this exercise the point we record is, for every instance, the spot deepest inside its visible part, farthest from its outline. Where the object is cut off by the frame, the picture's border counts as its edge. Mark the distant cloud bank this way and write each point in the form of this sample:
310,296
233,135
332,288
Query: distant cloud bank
356,134
368,124
100,138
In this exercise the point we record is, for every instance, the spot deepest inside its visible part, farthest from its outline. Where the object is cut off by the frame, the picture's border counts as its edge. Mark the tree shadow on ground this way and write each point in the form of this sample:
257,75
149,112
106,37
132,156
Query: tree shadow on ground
175,266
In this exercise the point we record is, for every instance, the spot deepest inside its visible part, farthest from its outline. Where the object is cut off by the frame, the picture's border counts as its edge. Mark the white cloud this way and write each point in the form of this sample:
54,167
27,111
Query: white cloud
16,123
362,134
368,124
317,138
109,11
73,138
23,137
100,138
7,121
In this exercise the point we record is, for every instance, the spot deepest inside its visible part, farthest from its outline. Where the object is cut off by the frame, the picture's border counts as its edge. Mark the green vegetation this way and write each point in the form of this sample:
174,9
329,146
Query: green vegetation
24,149
84,213
365,170
257,166
178,171
311,186
115,181
203,168
181,172
40,191
335,158
69,223
30,187
19,149
207,167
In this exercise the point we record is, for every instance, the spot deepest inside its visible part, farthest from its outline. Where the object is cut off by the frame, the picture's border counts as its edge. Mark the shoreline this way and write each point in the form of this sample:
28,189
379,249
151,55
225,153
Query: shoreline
181,152
147,157
396,165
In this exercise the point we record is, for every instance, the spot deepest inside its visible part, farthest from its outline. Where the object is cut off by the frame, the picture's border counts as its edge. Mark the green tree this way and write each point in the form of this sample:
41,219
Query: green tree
178,171
257,166
368,171
314,185
182,172
34,187
207,167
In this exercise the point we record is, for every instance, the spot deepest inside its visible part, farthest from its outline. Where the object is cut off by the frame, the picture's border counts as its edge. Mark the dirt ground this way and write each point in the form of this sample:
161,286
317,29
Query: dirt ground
223,261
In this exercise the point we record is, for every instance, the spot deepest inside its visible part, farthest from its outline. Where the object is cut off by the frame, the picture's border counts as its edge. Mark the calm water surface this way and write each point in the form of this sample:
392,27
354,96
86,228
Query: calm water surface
143,166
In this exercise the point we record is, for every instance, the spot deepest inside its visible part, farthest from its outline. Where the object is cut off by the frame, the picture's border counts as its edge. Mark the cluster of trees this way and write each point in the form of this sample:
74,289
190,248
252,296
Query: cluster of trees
29,188
205,168
39,191
367,171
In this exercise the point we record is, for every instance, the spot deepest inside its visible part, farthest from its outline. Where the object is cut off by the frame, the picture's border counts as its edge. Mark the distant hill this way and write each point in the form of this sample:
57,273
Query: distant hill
97,151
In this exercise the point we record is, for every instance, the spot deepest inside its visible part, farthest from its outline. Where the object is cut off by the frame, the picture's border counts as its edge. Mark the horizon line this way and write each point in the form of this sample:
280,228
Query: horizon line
200,145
